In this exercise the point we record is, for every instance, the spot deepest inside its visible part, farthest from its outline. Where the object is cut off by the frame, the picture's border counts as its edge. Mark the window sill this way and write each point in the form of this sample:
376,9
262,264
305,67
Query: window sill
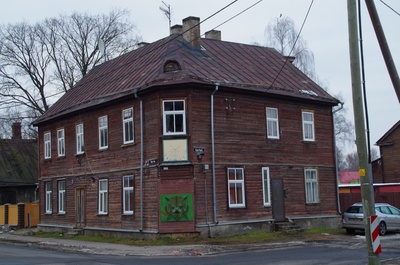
127,214
237,207
102,214
128,144
80,154
308,141
313,204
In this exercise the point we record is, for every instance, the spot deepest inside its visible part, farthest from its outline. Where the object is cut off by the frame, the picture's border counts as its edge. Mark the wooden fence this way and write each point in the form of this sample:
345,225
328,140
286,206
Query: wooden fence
20,215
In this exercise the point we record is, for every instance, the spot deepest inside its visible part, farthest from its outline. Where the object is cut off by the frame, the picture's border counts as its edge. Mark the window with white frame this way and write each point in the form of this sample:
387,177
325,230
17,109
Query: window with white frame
127,119
272,123
236,188
61,197
308,126
311,181
174,117
47,145
103,196
80,140
128,194
48,204
103,132
61,142
266,186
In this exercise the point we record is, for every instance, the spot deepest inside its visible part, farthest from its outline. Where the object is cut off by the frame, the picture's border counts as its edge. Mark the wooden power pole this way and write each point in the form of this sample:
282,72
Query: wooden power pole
364,169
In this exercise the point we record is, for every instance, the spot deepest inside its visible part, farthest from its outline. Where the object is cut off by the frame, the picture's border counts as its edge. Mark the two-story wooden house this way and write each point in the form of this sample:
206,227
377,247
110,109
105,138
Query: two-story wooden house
189,134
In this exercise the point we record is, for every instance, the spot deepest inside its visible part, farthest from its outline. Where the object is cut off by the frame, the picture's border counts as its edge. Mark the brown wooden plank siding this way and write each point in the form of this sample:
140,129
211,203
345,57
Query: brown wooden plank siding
391,158
240,141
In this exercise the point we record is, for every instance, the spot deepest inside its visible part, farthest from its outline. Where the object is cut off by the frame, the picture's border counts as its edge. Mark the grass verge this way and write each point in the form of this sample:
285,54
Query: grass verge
248,238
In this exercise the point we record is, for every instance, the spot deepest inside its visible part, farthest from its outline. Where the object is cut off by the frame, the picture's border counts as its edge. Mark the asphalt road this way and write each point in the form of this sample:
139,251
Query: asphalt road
335,252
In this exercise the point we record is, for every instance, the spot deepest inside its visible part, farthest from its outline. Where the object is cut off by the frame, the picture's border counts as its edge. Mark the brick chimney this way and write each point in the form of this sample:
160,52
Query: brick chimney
177,29
16,130
191,30
213,34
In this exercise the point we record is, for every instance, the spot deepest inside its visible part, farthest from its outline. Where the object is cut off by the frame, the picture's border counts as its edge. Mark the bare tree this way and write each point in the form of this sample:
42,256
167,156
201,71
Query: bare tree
23,68
45,60
282,35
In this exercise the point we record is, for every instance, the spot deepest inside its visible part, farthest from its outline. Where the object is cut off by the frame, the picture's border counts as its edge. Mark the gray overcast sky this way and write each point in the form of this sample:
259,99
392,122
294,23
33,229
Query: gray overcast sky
325,32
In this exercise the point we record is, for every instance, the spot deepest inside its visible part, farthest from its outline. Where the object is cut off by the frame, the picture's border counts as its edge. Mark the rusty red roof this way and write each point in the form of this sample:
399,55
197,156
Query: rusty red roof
232,65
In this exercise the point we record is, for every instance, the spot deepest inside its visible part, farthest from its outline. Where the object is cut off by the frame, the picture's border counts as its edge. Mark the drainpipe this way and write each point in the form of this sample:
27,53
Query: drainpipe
336,159
213,154
141,157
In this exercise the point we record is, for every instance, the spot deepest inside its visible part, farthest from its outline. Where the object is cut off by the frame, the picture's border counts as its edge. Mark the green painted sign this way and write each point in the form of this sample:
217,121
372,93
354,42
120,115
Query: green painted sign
176,207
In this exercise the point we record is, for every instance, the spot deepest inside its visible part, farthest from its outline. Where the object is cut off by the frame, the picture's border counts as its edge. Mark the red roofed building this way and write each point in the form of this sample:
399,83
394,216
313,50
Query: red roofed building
349,177
189,135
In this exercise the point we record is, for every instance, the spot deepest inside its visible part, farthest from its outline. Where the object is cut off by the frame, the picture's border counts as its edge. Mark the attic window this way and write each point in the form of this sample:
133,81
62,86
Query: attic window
171,66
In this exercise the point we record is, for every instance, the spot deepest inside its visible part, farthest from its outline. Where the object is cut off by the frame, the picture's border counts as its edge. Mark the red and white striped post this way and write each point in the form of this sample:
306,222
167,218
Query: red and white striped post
376,242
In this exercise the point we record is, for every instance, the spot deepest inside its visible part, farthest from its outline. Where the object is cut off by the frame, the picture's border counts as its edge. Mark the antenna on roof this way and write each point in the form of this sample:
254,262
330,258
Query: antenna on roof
167,12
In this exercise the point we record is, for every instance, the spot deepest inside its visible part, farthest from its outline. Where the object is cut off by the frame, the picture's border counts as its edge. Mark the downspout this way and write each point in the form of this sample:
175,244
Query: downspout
213,154
141,157
336,158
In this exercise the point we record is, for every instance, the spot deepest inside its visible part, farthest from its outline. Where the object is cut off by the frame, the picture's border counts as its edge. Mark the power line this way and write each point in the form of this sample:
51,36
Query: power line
161,45
294,44
390,7
170,40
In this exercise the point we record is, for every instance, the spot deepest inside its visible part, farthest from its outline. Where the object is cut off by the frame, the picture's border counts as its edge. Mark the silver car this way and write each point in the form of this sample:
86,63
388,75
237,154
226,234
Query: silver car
389,218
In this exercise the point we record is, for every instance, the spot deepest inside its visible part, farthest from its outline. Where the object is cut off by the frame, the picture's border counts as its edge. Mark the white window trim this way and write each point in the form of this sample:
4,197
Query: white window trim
61,143
266,180
314,186
306,124
47,145
273,120
236,181
103,198
125,123
80,139
128,190
174,112
49,208
61,197
103,130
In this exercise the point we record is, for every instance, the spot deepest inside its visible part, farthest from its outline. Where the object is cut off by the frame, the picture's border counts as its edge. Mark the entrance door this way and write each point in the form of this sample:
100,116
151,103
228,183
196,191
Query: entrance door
80,207
278,200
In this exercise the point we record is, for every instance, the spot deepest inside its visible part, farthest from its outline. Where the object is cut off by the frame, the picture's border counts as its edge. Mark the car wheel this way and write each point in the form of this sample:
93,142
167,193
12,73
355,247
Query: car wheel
350,231
382,229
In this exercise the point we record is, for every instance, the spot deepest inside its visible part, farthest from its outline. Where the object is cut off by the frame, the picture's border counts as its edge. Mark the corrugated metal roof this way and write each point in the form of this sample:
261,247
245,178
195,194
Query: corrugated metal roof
18,162
246,67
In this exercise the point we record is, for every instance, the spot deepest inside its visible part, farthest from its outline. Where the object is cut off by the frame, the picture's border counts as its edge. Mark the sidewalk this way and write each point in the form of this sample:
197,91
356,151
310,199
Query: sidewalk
71,245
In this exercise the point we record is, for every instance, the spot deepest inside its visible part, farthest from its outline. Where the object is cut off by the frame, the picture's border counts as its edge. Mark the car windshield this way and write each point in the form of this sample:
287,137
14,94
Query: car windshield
355,209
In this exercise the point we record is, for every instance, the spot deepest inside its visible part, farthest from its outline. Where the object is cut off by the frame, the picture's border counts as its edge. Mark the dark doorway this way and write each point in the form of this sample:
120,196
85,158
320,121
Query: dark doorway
80,207
278,200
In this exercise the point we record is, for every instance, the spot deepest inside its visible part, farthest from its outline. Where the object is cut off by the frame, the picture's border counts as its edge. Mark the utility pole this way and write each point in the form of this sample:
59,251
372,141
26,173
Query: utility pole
364,169
380,35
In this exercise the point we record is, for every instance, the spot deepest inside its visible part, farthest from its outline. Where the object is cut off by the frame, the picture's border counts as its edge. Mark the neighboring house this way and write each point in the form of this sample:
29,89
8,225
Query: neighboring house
387,168
385,173
18,168
189,135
